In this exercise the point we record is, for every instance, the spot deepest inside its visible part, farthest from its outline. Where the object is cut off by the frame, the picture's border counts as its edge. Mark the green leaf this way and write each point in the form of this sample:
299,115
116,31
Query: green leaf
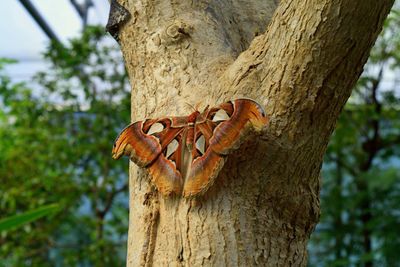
27,217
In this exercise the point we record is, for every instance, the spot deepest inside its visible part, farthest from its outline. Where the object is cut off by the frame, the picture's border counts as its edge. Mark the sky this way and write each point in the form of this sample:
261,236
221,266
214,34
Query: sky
23,40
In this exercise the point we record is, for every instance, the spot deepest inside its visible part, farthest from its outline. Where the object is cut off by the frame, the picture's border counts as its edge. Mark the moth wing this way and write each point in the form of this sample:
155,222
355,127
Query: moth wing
203,171
146,144
165,176
205,164
244,115
141,148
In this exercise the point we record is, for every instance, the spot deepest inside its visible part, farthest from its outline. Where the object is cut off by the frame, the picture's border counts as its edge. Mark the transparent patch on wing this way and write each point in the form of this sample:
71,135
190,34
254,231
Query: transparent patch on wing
221,115
155,128
201,144
171,148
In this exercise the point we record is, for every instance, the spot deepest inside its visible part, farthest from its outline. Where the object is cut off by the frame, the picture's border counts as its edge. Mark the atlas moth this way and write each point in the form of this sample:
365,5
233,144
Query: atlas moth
185,154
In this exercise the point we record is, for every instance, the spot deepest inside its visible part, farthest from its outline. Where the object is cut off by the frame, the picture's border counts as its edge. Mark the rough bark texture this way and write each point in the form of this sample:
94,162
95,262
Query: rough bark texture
264,205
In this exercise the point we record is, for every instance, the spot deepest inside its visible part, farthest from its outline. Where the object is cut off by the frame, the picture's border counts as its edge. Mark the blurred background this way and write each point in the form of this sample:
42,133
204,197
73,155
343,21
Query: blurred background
64,96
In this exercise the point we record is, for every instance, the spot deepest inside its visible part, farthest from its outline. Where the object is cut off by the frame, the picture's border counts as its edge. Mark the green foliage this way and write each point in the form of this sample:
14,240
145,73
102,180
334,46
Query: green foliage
26,217
56,136
360,212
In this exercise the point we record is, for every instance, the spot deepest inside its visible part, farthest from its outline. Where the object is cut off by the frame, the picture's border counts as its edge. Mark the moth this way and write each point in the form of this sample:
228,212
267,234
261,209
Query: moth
184,155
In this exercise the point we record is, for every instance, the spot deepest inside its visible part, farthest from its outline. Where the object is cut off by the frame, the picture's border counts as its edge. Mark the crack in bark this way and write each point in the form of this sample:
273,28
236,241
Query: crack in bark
187,228
152,218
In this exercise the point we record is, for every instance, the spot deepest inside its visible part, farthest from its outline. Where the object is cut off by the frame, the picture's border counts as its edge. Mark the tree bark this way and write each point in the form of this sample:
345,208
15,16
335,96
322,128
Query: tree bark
264,204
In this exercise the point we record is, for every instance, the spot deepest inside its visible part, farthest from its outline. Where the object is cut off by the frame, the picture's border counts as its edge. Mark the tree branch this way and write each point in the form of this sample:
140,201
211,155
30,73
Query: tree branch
303,69
306,64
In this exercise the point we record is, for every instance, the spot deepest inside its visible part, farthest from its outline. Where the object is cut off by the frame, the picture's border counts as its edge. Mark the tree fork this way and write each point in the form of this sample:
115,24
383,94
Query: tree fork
264,204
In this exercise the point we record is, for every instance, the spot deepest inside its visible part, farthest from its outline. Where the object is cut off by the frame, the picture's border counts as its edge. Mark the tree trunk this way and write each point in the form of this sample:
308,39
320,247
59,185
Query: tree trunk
264,204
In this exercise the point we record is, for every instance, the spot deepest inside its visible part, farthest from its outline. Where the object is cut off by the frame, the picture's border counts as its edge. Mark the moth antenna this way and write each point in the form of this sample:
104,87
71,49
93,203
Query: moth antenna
191,106
206,108
198,106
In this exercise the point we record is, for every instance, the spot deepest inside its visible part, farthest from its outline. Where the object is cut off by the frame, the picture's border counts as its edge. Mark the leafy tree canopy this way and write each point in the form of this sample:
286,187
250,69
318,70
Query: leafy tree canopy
56,139
361,174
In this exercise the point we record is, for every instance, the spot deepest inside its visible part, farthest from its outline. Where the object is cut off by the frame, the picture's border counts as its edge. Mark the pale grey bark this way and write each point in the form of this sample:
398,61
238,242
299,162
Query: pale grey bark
264,205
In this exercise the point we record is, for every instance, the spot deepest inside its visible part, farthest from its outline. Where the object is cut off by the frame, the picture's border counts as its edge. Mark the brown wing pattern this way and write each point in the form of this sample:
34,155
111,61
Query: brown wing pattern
222,137
210,140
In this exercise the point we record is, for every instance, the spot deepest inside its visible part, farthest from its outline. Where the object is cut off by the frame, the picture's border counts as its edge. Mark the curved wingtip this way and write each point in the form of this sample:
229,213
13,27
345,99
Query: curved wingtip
118,151
259,118
120,147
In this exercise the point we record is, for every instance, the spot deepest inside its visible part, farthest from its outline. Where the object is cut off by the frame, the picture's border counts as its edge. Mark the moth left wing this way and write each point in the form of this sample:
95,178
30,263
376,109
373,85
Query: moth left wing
152,144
